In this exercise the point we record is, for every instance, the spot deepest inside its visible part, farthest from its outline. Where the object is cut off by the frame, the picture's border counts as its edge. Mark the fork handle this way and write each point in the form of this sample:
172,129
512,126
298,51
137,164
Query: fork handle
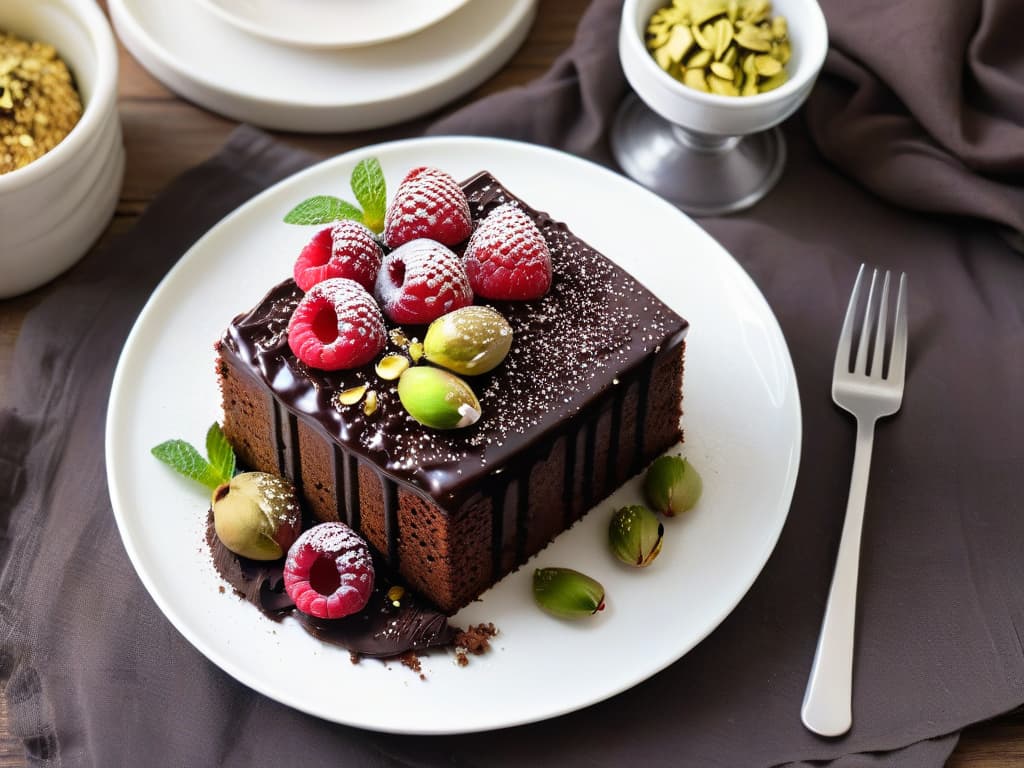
827,707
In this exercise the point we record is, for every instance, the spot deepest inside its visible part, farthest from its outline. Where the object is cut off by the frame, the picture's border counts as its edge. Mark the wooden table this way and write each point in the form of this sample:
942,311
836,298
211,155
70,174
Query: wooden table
165,135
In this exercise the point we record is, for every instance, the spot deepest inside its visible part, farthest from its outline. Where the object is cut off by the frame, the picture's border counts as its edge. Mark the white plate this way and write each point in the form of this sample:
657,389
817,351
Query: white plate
742,425
333,23
226,70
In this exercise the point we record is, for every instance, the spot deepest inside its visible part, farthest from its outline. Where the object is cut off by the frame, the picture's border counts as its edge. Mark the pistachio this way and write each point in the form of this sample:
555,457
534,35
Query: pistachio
390,367
703,37
635,535
679,42
722,86
721,69
398,337
256,515
771,83
437,398
370,406
416,351
695,79
566,593
699,60
712,36
672,485
469,341
767,66
352,395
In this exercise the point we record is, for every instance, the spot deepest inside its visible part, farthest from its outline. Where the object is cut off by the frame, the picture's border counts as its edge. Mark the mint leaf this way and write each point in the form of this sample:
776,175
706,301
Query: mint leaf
183,458
220,452
322,209
370,190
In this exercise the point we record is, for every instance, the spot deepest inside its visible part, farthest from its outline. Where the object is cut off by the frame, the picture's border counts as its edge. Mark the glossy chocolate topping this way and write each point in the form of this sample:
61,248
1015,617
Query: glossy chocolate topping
596,328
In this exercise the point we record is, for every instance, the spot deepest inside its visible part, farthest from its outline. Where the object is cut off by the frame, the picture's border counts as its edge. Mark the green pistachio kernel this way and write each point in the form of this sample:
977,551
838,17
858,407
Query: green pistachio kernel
566,593
672,485
437,398
635,535
469,341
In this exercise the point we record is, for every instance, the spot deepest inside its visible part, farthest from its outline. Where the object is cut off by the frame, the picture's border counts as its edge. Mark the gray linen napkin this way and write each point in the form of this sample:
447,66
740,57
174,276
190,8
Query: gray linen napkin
922,102
94,675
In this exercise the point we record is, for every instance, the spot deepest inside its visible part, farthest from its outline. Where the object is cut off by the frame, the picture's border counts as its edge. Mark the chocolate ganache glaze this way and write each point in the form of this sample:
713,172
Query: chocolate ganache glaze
380,630
595,329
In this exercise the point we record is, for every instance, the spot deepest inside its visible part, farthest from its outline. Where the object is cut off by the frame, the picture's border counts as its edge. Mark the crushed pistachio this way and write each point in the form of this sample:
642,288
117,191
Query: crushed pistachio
728,47
390,367
395,595
398,337
370,406
39,104
352,395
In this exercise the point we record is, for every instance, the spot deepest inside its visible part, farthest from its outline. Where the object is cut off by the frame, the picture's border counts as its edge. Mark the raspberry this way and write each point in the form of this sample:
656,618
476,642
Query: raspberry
428,203
346,249
421,281
336,325
329,572
507,257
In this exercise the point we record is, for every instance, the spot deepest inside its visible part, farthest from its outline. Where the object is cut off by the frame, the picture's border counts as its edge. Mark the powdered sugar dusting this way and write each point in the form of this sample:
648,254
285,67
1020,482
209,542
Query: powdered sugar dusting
345,310
510,237
433,282
333,538
345,555
344,249
594,326
428,203
507,256
282,506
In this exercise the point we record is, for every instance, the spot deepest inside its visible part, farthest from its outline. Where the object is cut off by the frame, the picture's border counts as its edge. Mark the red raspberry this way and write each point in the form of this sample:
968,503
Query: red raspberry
336,325
429,203
421,281
329,572
507,257
346,249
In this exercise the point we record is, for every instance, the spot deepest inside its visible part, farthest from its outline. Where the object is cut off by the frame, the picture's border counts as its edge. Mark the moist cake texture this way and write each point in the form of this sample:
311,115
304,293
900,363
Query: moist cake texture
589,394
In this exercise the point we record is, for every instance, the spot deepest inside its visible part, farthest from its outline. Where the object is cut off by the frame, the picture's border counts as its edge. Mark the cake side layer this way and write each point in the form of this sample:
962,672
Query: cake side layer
597,326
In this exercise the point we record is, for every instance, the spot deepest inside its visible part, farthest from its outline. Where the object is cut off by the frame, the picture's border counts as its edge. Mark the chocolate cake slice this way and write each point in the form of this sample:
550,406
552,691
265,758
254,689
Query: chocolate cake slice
589,394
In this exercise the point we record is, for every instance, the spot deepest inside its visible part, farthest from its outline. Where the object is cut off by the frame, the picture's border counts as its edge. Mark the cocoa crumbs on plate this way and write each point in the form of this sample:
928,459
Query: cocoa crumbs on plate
412,661
39,103
475,640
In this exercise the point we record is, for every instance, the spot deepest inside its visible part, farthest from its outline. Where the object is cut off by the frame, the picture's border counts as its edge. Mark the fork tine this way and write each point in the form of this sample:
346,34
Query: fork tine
883,312
842,364
865,331
898,356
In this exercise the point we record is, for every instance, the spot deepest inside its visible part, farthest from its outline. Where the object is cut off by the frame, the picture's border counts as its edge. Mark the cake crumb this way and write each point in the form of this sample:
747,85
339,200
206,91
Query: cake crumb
221,589
475,640
412,661
354,657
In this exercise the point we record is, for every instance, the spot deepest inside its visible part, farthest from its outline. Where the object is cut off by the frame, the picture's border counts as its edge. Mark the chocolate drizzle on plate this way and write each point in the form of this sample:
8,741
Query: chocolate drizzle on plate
380,630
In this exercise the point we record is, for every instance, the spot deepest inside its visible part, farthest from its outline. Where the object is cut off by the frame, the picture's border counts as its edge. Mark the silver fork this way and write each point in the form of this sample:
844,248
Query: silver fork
868,394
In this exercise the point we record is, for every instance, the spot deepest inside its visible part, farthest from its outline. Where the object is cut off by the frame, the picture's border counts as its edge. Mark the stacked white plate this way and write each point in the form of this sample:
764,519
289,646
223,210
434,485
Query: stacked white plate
322,66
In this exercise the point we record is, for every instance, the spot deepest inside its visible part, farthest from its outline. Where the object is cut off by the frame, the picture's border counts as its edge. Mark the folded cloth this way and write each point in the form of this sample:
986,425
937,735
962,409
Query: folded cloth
922,103
94,675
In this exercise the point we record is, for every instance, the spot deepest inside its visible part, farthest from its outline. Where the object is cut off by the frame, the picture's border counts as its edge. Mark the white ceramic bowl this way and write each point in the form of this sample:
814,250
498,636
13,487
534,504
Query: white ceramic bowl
724,115
53,209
